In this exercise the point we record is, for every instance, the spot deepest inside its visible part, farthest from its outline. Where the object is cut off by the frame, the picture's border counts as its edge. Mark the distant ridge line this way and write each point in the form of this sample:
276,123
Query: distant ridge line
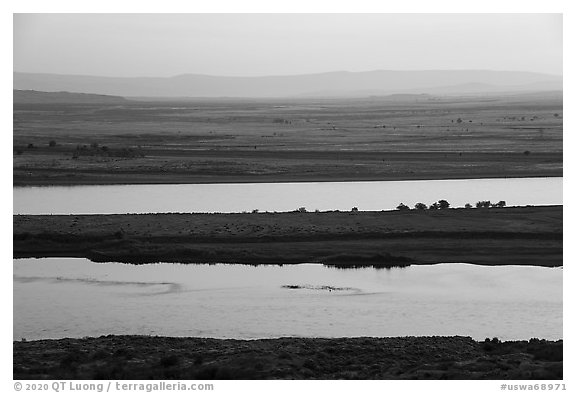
337,83
43,97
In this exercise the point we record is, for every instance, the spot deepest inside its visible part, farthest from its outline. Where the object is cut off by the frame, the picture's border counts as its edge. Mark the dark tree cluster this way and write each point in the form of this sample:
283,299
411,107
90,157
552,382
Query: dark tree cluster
441,204
487,204
444,204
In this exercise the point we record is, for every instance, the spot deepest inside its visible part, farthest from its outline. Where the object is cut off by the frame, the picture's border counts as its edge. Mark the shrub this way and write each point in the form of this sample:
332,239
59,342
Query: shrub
281,121
170,360
309,364
483,204
100,354
420,206
74,356
546,350
52,143
443,204
402,207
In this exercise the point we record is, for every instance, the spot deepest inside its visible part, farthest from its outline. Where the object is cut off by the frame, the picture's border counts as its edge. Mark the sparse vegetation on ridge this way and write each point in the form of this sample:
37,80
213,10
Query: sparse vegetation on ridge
146,357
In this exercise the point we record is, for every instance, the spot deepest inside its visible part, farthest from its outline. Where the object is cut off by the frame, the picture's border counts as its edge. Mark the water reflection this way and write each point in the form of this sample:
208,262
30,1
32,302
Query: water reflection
67,297
320,288
367,266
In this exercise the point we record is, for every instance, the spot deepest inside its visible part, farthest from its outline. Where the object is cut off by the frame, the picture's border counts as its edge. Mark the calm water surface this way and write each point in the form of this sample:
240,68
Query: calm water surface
67,297
187,198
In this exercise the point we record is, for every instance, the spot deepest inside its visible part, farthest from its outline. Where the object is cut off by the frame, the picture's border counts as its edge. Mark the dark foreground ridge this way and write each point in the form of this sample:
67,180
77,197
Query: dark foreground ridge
499,236
145,357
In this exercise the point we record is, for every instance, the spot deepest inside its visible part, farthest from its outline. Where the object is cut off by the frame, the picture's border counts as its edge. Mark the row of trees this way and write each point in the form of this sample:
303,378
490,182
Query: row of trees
440,205
444,204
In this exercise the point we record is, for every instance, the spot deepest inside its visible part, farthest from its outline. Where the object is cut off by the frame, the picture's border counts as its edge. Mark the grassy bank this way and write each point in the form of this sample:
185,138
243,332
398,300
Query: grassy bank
45,166
496,236
145,357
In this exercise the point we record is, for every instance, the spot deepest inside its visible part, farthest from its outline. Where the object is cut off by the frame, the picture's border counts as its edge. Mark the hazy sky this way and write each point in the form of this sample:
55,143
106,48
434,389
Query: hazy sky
280,44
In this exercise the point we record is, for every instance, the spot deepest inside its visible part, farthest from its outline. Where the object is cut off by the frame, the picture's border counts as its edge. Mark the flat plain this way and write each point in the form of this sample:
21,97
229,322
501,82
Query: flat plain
278,140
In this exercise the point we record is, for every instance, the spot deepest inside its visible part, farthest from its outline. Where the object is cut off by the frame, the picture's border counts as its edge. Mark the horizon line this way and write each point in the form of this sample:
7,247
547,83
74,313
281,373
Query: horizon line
287,75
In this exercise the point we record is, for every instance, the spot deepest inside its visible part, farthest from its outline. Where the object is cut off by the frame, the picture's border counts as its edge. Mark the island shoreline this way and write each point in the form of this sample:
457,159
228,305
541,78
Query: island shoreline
483,236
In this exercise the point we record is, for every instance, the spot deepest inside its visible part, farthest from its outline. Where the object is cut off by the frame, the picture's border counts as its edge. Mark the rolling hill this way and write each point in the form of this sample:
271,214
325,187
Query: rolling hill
63,97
